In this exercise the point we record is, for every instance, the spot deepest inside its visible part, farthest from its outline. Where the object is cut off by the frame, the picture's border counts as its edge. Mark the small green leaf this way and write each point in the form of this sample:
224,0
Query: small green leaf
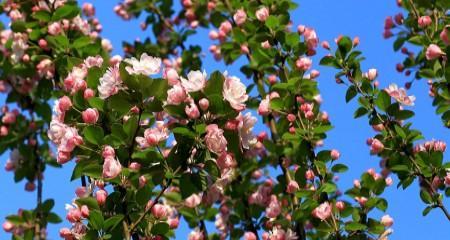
160,228
354,226
93,134
339,168
351,93
383,100
113,222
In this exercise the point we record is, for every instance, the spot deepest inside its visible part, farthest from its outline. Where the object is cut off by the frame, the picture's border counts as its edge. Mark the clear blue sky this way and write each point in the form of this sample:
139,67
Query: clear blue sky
330,18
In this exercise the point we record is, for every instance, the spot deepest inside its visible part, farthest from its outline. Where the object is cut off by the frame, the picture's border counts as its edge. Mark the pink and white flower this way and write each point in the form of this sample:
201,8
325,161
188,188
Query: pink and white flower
196,81
147,65
110,83
214,139
111,167
234,91
400,95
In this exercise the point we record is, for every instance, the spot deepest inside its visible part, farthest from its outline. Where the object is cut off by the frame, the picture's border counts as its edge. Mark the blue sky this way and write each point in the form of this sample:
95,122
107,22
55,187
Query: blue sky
330,18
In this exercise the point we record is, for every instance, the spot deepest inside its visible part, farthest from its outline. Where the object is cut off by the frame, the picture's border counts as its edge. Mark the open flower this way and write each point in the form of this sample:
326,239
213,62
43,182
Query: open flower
234,91
196,81
153,136
111,167
147,65
400,95
245,129
110,82
323,211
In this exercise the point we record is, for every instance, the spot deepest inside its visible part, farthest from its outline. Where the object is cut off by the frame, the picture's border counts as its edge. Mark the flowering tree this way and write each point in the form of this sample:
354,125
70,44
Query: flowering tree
156,139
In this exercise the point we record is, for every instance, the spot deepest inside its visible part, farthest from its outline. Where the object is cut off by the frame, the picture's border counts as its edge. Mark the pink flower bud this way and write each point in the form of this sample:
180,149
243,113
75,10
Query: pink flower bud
372,74
447,179
135,166
90,115
204,104
142,181
249,236
303,63
356,183
361,200
88,93
291,117
376,146
301,29
265,44
399,18
444,36
314,73
8,226
240,17
159,211
88,9
262,14
81,192
388,181
424,21
326,45
64,104
323,211
387,221
74,215
174,223
335,154
225,27
30,186
192,111
108,151
272,79
292,187
172,77
309,175
66,233
340,205
433,52
84,211
100,196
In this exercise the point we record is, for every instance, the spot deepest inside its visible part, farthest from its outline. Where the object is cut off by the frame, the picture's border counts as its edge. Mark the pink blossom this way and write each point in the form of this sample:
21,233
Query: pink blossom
240,17
159,211
84,211
335,154
88,9
196,235
108,151
204,104
193,201
249,236
400,95
46,68
196,81
234,91
215,141
387,221
8,226
372,74
153,136
433,52
225,27
245,130
311,39
9,118
274,207
264,106
70,140
424,21
90,115
176,95
361,200
172,77
54,28
96,61
303,63
225,161
323,211
340,205
444,35
110,83
100,196
111,167
147,65
265,44
262,14
64,104
292,187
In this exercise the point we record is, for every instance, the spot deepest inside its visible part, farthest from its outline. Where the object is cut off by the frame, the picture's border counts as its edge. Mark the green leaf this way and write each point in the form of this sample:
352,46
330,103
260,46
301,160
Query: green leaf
93,77
53,218
345,45
351,93
81,42
93,134
426,211
143,195
383,100
18,26
328,188
43,16
425,196
96,219
399,131
215,84
113,222
339,168
67,11
96,103
160,228
360,112
354,226
322,129
403,114
90,202
272,22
